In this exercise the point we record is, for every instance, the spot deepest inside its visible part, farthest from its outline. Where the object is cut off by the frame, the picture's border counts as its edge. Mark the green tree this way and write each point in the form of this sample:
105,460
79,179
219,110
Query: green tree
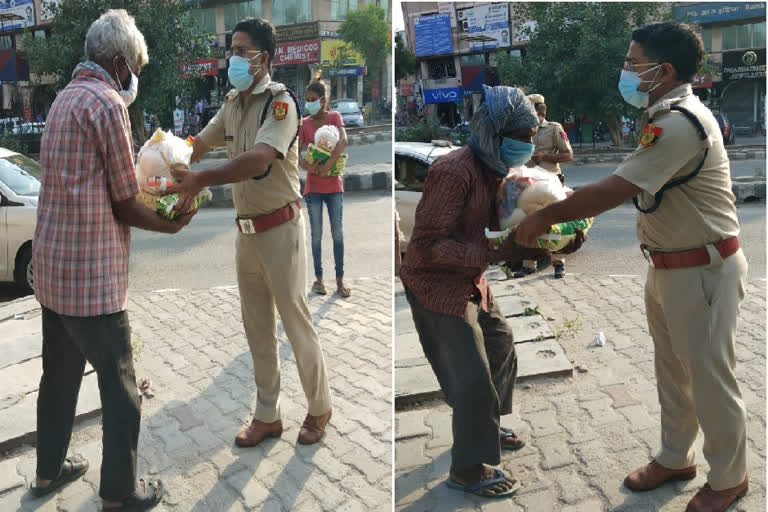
405,61
367,31
172,38
575,54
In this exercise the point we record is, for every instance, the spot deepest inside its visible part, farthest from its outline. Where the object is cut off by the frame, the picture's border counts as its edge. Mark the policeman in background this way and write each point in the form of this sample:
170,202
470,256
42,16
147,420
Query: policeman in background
552,148
679,177
258,123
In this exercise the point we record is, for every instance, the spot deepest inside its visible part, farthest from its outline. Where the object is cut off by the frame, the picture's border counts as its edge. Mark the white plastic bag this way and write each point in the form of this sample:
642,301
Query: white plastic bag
159,154
525,190
327,137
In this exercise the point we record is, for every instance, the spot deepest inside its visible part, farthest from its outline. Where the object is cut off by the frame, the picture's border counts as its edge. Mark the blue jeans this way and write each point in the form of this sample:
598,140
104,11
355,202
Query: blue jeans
334,202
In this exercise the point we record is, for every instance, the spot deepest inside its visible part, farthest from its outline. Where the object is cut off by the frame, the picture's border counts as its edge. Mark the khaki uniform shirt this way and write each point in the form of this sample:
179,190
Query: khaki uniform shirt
550,138
702,210
237,126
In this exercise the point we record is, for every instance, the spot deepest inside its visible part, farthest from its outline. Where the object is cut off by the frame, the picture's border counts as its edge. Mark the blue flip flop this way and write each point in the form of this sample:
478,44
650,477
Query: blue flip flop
485,484
506,434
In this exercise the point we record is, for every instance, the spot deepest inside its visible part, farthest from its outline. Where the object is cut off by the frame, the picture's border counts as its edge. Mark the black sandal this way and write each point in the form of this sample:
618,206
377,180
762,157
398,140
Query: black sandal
141,500
507,434
71,470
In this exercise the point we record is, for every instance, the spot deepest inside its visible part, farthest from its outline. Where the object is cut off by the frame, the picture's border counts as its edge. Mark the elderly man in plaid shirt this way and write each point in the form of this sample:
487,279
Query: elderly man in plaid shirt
80,255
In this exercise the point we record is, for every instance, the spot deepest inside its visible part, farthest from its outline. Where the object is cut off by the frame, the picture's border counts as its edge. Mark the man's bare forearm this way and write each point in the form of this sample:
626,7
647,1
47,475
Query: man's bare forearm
244,166
591,200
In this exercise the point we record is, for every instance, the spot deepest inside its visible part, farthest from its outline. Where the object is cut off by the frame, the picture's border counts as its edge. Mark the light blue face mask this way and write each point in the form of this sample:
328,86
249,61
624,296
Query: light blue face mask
628,84
515,153
313,107
238,73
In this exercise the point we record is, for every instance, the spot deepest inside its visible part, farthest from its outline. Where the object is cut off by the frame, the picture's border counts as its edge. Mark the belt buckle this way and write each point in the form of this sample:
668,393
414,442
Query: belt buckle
647,255
246,226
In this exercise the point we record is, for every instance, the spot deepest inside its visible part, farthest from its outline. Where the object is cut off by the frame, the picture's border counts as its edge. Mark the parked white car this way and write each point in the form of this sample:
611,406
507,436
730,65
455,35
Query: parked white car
19,190
412,161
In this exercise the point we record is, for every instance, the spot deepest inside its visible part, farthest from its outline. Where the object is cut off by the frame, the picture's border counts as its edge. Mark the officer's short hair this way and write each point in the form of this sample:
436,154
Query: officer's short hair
261,32
673,42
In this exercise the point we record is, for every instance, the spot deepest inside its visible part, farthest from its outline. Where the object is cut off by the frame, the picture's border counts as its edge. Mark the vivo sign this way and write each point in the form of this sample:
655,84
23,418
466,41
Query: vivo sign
448,95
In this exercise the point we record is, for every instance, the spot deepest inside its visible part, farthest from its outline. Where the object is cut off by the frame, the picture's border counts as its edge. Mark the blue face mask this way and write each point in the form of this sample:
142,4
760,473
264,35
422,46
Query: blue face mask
628,84
313,107
238,73
515,153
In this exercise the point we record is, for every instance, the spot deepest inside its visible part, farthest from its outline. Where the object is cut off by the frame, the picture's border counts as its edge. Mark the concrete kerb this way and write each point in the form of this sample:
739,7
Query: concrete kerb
619,156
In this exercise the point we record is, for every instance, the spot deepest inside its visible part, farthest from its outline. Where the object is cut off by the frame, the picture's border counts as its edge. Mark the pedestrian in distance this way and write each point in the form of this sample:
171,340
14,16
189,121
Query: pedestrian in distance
679,179
259,125
463,333
552,149
87,206
320,188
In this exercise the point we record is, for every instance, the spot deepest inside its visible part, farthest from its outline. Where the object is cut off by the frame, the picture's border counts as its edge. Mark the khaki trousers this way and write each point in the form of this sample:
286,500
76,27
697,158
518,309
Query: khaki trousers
272,272
692,315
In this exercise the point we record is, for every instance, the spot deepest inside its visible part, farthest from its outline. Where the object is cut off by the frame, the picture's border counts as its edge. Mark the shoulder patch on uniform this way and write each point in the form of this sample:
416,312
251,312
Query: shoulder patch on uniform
564,135
279,110
231,95
650,135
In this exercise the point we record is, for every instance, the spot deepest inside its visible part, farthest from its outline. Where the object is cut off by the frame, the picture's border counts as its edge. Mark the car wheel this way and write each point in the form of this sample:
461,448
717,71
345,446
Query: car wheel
22,271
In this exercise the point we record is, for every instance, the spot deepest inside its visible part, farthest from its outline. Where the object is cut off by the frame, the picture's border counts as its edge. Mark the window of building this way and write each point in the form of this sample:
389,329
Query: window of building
706,36
6,42
234,13
205,19
441,68
473,60
285,12
340,8
748,35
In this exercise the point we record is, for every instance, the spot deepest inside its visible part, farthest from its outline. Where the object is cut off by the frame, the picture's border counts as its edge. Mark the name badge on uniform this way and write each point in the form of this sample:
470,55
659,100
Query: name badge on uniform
650,135
229,138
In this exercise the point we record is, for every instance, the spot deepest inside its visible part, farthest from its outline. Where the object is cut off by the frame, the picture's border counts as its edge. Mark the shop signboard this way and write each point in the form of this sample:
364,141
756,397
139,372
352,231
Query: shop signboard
298,32
300,52
710,12
742,65
445,95
346,71
330,49
205,67
489,21
25,9
406,89
432,35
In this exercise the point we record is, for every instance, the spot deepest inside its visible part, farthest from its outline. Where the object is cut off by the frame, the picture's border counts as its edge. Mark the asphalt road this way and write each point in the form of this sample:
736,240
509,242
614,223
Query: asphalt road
580,175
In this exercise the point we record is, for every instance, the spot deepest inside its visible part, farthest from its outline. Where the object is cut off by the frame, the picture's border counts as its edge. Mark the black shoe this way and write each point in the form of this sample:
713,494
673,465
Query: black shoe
559,270
524,272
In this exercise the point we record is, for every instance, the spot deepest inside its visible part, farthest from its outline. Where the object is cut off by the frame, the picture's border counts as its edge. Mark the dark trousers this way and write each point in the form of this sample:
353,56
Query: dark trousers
105,342
475,363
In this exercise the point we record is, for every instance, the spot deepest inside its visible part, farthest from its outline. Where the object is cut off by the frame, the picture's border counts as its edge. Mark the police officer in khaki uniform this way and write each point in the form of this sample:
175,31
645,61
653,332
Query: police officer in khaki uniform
258,124
680,179
552,148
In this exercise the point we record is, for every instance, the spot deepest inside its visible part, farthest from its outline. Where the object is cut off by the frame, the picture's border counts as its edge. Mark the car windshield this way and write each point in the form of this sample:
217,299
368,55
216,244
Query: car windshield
346,107
21,175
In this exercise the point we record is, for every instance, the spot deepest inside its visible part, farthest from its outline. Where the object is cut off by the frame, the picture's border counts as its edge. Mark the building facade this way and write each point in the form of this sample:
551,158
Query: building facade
307,42
456,46
734,37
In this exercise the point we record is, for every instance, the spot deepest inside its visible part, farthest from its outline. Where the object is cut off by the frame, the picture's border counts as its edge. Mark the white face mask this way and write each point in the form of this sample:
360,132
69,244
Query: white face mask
129,95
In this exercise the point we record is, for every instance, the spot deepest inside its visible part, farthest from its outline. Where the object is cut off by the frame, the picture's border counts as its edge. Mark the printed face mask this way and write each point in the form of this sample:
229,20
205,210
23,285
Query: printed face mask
515,153
238,73
628,84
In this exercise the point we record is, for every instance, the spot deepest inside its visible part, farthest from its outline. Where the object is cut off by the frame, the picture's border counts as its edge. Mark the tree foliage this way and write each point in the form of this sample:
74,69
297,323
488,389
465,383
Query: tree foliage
367,31
172,38
405,61
575,55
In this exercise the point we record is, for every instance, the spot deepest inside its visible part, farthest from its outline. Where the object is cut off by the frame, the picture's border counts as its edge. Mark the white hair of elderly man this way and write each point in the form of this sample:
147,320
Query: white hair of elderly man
114,35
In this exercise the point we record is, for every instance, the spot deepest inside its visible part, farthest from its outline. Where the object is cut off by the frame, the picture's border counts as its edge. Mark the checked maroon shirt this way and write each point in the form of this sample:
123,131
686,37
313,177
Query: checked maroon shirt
80,250
445,259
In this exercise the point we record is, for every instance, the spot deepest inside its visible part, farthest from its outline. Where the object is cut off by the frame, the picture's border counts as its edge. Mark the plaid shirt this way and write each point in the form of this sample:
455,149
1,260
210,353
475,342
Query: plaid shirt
80,250
444,262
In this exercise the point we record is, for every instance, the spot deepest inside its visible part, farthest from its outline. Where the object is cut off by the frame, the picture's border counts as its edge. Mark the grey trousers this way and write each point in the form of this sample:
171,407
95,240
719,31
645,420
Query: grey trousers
475,363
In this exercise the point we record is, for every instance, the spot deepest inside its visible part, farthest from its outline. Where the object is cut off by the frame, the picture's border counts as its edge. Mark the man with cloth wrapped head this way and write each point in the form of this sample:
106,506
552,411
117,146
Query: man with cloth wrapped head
463,333
552,148
679,177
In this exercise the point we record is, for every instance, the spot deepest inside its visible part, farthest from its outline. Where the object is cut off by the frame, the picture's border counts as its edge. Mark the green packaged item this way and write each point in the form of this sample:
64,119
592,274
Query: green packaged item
557,237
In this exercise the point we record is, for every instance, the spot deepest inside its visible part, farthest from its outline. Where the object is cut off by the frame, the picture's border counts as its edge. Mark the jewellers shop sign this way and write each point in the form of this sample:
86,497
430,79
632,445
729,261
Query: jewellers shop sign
297,32
742,65
301,52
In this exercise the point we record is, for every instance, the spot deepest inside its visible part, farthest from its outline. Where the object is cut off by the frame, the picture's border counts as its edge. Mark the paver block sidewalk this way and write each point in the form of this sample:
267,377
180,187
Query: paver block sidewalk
197,357
586,432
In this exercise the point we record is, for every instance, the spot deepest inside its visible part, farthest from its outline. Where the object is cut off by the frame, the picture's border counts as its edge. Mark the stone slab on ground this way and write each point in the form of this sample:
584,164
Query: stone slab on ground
197,357
541,359
414,384
530,328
